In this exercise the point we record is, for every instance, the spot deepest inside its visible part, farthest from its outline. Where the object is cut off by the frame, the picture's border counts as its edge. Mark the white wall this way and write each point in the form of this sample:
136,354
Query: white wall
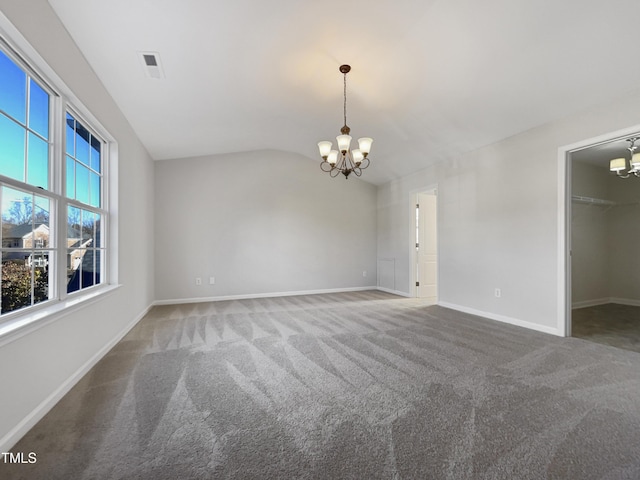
498,219
38,367
260,222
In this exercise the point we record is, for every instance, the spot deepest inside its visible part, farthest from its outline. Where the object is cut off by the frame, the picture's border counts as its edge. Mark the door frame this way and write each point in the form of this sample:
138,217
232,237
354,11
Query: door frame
565,194
413,196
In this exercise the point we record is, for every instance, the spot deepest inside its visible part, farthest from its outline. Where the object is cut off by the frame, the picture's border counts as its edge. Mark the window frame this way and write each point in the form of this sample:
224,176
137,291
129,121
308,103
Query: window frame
62,100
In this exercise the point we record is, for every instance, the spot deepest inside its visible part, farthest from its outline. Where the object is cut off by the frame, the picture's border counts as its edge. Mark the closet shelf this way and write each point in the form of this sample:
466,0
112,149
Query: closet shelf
593,201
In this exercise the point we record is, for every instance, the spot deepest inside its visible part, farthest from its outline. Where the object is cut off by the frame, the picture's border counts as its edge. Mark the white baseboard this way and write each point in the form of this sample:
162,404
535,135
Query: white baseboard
503,319
590,303
17,432
603,301
626,301
175,301
395,292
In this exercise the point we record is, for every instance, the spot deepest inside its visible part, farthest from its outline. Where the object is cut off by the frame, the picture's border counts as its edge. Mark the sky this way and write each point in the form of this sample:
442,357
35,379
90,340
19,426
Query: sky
24,138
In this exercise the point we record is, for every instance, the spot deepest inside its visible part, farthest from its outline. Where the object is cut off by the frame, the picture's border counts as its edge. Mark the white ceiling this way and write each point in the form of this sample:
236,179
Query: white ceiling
430,78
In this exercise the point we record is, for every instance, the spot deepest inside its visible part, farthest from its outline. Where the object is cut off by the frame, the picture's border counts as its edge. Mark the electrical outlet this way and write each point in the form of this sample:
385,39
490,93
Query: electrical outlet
498,293
212,280
198,281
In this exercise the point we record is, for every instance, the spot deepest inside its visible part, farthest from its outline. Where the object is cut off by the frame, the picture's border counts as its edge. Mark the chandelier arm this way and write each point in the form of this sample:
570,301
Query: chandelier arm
348,165
346,161
349,160
364,165
357,171
337,169
324,165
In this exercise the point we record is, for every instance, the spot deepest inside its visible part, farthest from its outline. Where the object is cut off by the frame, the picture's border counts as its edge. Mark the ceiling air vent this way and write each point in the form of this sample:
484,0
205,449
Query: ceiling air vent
151,64
150,60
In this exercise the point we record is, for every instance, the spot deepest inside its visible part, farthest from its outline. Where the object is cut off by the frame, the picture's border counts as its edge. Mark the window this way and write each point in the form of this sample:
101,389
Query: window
84,219
53,211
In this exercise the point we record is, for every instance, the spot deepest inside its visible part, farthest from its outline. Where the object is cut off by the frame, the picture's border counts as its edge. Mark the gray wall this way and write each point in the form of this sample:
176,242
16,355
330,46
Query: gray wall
260,222
590,263
625,243
499,210
604,238
39,365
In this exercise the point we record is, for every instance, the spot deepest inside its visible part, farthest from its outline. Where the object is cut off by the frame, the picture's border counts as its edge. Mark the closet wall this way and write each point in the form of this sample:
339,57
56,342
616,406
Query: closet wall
605,235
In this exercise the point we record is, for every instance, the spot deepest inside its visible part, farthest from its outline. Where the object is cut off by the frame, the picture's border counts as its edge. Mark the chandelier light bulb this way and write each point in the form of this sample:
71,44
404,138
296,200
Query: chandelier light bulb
325,148
617,164
365,145
358,156
344,141
333,157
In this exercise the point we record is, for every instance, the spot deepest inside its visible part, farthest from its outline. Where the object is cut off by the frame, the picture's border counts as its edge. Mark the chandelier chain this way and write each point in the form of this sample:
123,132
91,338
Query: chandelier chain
345,99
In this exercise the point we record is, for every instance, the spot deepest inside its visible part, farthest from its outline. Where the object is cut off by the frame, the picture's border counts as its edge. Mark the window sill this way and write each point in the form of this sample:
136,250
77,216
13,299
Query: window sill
29,322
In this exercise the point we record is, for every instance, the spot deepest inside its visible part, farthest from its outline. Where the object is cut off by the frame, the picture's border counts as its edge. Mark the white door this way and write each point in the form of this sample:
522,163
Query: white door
427,246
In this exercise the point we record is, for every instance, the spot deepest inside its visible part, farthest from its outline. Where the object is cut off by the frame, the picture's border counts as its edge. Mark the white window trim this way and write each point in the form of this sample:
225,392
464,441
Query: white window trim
19,323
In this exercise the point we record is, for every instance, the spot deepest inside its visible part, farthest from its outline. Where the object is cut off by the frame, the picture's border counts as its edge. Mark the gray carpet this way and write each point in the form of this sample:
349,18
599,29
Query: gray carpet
360,385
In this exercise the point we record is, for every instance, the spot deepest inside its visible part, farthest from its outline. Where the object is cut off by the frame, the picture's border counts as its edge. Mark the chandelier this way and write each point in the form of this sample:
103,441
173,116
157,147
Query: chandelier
344,160
626,167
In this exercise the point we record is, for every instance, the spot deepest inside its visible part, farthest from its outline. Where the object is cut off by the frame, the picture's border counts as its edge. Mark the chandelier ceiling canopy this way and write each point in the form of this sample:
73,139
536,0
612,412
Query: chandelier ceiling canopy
344,160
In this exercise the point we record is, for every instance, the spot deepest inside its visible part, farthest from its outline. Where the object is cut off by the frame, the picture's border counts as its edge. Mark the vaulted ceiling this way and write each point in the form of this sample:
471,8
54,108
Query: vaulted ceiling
430,79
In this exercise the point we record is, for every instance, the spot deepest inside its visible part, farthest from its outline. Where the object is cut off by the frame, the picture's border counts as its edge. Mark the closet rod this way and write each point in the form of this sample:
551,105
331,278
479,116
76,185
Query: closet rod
592,201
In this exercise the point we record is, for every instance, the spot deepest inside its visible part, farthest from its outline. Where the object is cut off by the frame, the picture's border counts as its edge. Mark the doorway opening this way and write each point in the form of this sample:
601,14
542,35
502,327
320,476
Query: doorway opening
601,300
425,245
